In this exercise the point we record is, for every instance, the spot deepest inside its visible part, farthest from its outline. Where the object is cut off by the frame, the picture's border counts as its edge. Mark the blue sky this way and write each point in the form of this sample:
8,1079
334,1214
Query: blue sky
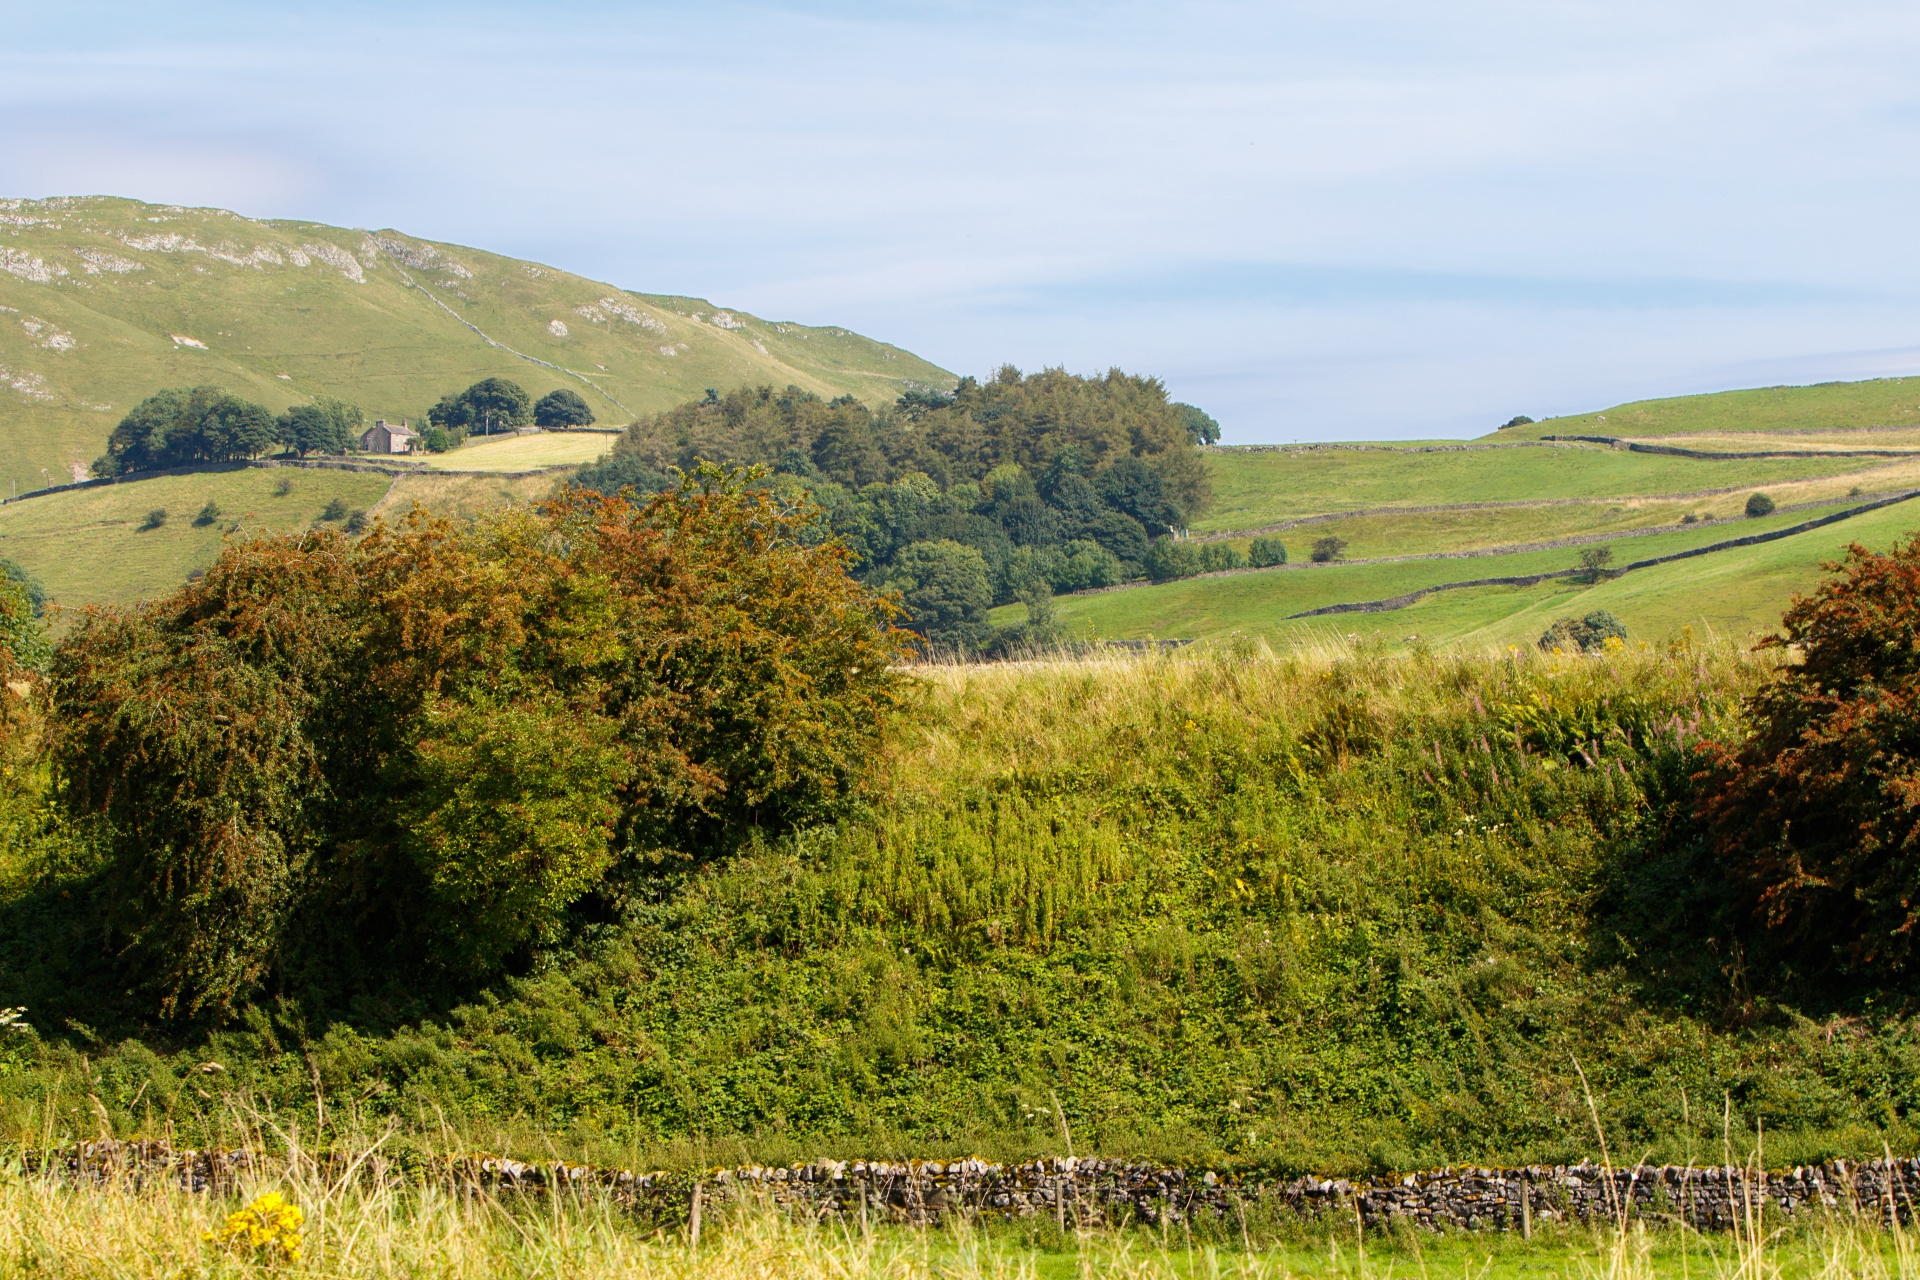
1364,219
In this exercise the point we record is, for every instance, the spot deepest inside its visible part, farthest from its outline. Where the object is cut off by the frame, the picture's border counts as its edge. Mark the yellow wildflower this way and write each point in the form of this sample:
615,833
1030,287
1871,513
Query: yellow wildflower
268,1227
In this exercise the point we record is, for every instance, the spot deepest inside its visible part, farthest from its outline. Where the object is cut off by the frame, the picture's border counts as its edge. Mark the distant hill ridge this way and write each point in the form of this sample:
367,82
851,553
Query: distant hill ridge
104,300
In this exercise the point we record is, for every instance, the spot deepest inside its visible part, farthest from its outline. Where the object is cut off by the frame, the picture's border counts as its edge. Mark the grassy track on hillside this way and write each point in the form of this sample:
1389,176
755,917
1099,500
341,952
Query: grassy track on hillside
1252,489
88,546
524,453
1881,402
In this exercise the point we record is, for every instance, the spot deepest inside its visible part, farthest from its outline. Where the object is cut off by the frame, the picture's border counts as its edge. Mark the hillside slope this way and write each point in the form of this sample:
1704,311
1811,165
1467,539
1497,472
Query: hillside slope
104,300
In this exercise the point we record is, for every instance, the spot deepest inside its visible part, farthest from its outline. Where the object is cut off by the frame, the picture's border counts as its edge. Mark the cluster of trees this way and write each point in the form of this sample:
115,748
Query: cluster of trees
180,426
424,751
1014,488
500,404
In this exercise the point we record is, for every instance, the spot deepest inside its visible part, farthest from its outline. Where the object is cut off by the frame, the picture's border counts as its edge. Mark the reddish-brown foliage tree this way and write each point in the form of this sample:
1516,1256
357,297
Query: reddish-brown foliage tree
1817,812
452,734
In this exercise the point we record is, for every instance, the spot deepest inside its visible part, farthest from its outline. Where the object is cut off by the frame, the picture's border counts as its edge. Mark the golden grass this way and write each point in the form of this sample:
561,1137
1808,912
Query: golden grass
384,1227
524,453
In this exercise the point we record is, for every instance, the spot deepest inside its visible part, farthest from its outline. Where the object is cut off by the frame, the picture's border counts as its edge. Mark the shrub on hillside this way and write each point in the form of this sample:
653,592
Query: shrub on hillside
1593,564
1328,549
1815,811
1588,634
1759,505
1266,553
1518,420
424,745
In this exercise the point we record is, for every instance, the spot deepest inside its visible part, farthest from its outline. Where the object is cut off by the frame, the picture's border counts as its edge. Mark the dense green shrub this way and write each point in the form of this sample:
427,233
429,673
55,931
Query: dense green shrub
558,410
422,746
1587,634
1759,504
1267,552
1328,548
1815,811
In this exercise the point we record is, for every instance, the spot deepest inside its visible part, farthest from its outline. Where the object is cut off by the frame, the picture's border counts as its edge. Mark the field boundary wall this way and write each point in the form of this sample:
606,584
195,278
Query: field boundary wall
1091,1191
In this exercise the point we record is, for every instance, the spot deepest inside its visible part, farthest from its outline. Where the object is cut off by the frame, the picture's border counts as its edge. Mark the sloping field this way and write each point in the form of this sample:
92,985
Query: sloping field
1255,488
1734,592
104,301
98,546
1882,402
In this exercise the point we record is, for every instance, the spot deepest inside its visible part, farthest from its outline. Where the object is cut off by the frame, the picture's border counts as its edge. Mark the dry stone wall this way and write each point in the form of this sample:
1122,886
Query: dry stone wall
1104,1192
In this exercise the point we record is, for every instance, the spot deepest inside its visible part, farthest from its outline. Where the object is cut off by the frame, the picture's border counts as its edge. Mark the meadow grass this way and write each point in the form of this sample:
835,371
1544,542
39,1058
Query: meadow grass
97,546
1876,403
379,1225
524,453
1256,488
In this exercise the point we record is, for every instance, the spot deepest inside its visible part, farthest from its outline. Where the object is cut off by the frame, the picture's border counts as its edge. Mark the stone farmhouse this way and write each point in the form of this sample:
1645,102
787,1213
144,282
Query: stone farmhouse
387,437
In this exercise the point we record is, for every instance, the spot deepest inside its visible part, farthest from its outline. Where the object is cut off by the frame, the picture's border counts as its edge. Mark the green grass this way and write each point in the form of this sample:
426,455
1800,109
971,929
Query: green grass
1252,489
1882,402
523,453
88,546
81,347
1258,603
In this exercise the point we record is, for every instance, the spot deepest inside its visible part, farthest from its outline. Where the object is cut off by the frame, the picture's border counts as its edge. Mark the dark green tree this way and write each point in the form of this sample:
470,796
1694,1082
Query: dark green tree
1201,427
1267,552
947,591
497,404
558,410
1759,505
1328,549
309,428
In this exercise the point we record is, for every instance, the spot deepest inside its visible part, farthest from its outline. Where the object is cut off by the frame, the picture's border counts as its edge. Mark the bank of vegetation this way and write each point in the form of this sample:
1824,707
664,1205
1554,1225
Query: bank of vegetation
618,829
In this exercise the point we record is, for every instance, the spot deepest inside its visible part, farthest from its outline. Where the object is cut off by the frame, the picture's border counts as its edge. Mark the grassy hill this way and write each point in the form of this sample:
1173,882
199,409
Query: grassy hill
103,301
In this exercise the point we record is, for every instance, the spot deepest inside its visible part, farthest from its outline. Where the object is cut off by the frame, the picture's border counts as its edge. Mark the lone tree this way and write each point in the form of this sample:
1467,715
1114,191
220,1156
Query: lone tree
1759,505
1593,564
1518,420
1328,549
558,410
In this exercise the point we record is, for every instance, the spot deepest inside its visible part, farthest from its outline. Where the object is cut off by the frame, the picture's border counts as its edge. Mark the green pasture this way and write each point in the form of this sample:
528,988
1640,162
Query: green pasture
1733,591
1256,488
92,546
1882,402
